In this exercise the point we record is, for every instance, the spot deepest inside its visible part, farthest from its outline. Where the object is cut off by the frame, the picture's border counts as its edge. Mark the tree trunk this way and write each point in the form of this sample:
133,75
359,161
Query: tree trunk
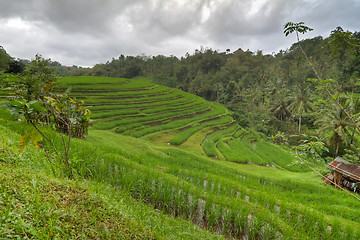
299,124
337,144
352,136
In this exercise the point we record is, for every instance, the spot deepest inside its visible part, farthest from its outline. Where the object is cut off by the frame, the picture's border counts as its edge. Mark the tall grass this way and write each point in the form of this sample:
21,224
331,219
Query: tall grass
187,99
104,83
35,205
237,151
175,124
226,198
210,194
88,80
146,99
141,119
210,140
238,201
185,134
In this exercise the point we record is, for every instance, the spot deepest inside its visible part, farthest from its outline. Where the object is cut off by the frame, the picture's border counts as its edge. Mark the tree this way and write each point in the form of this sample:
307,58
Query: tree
312,148
38,78
297,28
335,125
280,107
301,28
340,39
39,106
300,103
5,60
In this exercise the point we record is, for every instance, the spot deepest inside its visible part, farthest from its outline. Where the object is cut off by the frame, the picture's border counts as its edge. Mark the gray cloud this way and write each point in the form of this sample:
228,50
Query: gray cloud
86,32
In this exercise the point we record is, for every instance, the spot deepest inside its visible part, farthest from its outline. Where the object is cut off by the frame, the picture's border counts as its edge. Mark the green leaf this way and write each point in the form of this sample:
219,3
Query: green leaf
59,229
296,27
38,107
67,92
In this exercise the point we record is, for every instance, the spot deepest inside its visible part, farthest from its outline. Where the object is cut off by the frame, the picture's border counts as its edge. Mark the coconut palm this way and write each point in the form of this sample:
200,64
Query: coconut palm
300,103
280,110
354,109
336,126
280,106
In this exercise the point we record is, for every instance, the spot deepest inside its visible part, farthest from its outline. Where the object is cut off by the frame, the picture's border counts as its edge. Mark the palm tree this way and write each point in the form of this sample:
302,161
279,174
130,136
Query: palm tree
300,103
354,109
280,107
336,125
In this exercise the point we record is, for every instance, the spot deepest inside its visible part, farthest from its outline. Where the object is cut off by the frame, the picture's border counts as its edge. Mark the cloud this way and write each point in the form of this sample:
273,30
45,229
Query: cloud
86,32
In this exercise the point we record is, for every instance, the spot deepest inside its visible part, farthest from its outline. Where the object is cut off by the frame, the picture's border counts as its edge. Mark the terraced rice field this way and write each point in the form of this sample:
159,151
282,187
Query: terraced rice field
140,108
238,201
270,197
7,86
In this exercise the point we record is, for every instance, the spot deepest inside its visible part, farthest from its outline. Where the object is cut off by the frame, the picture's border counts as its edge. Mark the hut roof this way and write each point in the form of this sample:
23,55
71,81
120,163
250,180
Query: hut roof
345,168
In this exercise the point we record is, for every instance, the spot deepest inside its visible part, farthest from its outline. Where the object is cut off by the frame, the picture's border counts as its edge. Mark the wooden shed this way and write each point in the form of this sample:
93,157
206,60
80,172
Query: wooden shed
344,174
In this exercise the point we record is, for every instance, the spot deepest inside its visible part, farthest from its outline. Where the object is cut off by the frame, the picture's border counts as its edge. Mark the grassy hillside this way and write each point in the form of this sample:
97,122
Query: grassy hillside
168,162
140,108
226,197
37,203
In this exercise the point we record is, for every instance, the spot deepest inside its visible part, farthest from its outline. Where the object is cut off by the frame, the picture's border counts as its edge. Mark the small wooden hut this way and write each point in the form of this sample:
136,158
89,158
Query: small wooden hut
344,174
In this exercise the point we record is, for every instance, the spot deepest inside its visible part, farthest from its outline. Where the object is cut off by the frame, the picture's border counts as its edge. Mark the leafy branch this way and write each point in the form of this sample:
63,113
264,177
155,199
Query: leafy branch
40,107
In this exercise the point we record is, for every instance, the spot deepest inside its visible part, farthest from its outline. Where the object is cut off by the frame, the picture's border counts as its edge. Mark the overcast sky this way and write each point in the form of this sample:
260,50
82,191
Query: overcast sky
86,32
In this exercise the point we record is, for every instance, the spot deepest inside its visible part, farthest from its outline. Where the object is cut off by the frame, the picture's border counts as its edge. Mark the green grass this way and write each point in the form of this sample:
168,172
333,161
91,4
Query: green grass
267,187
36,205
167,192
185,106
138,107
187,99
237,151
174,124
113,101
185,134
241,132
252,149
107,114
86,80
156,90
179,183
209,143
142,118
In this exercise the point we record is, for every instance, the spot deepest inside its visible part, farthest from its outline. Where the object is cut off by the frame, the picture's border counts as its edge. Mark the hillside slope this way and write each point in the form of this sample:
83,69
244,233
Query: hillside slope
35,204
142,173
140,108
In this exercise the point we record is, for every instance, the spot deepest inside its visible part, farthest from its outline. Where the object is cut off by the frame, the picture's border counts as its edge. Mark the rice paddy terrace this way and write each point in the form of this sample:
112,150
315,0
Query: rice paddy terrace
7,86
142,109
180,154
